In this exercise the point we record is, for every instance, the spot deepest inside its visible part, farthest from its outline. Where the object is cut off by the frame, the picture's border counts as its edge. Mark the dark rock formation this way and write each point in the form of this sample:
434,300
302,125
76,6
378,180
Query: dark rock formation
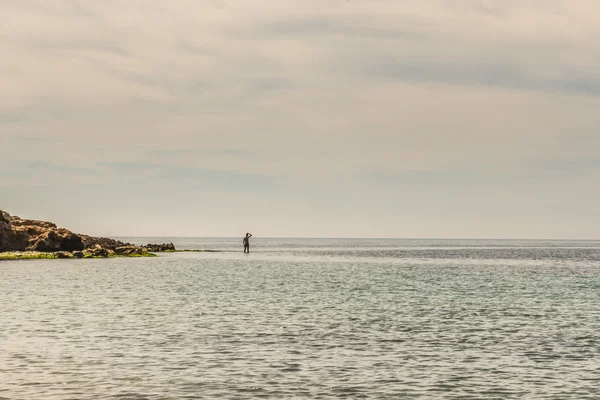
96,252
57,240
4,229
107,243
160,247
129,250
64,254
78,254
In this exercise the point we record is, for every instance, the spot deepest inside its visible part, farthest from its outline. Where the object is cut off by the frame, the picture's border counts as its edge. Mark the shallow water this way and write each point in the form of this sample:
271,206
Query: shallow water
318,319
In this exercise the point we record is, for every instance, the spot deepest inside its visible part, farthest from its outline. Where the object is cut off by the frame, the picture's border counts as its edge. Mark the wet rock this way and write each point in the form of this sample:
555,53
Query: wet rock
78,254
63,254
96,252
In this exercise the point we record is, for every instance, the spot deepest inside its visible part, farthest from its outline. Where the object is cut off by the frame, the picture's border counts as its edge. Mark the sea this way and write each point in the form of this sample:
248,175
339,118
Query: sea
306,319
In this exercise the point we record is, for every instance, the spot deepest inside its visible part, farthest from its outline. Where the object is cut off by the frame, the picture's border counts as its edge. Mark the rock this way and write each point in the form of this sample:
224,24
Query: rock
156,248
17,234
63,254
70,241
101,253
96,251
107,243
4,228
78,254
31,222
15,239
4,216
47,241
56,240
128,250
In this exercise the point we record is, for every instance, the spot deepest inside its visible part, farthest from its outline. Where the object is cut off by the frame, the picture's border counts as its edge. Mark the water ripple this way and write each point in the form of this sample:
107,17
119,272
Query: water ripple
197,326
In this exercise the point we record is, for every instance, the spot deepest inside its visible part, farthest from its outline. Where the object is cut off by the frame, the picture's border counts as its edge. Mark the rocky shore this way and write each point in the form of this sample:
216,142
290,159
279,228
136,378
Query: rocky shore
32,239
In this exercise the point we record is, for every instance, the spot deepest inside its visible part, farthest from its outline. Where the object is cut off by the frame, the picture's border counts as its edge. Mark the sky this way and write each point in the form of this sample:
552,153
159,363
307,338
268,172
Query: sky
303,118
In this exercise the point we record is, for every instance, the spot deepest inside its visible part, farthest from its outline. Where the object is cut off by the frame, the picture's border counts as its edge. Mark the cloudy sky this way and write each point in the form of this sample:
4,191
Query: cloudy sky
303,118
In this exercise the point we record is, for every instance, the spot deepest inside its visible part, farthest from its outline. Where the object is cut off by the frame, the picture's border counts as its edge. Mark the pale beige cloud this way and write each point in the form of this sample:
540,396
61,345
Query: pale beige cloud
305,91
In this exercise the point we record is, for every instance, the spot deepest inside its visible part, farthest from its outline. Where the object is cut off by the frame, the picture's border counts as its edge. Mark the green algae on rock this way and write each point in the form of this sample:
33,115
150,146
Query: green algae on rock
26,255
38,255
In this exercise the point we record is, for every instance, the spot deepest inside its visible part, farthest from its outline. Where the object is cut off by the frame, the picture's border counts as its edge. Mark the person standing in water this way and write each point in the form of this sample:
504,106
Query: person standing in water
247,243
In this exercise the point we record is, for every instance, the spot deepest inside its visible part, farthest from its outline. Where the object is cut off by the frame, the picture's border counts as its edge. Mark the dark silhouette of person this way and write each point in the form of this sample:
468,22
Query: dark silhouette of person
247,242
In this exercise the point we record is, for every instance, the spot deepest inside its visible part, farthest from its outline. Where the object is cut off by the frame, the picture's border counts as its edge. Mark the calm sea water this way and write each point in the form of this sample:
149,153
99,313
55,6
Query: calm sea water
314,319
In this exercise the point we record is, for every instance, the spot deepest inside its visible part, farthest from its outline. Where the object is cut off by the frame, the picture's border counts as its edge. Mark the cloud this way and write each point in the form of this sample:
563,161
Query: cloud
317,26
11,117
478,73
193,178
322,102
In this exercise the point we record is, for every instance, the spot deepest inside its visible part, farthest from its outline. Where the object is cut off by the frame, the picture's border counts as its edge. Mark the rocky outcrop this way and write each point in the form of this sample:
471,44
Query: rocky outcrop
27,235
32,235
57,240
